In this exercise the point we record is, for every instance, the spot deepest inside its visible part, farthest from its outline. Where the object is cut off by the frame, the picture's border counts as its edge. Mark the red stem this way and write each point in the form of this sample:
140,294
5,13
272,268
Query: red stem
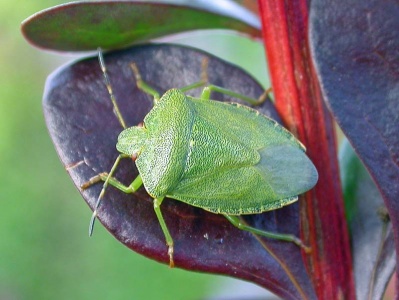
299,102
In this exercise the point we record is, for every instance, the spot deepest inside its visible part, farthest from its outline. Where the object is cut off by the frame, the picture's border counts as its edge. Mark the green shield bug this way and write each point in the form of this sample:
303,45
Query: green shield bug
225,158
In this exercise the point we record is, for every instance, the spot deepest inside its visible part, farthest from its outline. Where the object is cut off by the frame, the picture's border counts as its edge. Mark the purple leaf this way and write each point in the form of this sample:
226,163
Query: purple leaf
355,46
373,249
84,129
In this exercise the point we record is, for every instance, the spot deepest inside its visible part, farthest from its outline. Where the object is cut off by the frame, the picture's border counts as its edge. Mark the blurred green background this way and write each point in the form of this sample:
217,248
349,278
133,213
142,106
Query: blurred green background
45,252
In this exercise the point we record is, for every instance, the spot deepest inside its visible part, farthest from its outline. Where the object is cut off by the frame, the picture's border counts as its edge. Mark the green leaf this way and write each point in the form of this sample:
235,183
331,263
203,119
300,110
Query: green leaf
87,25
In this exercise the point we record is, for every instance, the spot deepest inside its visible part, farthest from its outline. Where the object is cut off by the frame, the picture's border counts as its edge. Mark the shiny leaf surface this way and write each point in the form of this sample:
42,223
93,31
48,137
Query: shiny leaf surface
355,46
372,242
84,130
87,25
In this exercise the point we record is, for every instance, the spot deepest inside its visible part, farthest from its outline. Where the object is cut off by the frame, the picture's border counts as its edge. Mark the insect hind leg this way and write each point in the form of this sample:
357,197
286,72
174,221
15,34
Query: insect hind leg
235,220
169,241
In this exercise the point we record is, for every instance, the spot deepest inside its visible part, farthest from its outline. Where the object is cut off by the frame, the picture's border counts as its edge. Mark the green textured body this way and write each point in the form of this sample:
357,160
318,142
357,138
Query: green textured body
223,157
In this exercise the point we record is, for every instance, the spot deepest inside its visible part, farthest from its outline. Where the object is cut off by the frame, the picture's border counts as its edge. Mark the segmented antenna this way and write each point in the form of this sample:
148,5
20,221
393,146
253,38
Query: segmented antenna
109,88
122,122
105,185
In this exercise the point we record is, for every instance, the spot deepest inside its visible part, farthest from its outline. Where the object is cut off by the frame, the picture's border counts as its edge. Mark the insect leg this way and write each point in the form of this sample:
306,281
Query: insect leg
109,88
142,85
131,188
203,80
252,101
168,237
214,88
108,180
235,220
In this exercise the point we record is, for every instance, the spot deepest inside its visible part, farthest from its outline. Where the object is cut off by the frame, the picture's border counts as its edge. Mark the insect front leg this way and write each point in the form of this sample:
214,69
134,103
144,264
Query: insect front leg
235,220
131,188
109,180
142,85
168,237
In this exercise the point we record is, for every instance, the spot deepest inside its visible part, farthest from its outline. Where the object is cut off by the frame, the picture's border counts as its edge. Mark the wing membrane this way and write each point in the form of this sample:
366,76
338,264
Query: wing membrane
281,174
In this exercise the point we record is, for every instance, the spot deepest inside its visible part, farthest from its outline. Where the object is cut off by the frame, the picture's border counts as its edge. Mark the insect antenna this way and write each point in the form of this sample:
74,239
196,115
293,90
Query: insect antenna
122,122
109,88
105,185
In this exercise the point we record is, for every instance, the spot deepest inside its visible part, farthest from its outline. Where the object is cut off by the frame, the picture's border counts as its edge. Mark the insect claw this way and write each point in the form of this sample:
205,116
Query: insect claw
87,184
171,262
305,248
93,180
263,97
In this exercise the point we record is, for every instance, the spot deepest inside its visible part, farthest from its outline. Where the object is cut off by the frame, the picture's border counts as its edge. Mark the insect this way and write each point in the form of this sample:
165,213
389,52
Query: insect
225,158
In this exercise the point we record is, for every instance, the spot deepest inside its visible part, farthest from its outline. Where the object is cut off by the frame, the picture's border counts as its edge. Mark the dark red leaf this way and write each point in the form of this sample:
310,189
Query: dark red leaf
355,45
86,25
371,231
84,130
